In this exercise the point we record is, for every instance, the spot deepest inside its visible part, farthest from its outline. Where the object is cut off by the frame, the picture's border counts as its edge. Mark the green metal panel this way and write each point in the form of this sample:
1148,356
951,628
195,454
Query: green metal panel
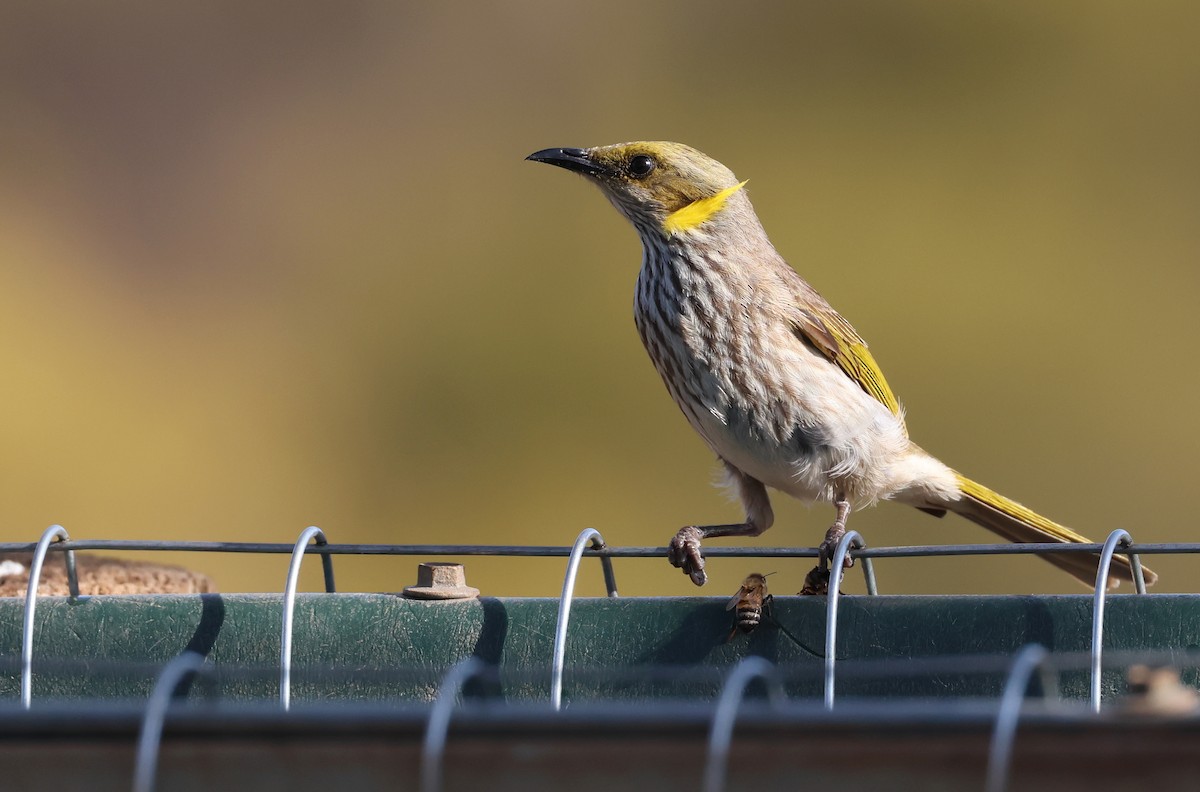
383,647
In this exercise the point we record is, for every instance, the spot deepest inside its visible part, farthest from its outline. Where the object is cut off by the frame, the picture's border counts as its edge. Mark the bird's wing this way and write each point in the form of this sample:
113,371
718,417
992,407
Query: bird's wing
825,329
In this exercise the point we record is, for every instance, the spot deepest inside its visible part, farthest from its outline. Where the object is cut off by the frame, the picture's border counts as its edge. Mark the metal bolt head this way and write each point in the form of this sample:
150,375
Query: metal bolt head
440,581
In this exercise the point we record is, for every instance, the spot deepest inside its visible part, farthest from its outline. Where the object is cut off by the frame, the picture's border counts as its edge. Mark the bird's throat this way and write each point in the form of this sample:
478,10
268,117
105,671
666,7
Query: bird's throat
698,212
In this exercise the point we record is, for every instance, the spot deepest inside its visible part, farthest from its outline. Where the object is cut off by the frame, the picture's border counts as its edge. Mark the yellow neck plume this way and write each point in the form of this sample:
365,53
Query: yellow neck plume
698,212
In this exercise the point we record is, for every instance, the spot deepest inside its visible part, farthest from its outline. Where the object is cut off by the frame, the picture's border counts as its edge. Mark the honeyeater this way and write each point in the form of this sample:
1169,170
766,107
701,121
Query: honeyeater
776,382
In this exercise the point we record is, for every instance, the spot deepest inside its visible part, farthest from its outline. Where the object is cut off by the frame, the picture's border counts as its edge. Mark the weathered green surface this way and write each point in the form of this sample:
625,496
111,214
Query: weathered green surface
364,646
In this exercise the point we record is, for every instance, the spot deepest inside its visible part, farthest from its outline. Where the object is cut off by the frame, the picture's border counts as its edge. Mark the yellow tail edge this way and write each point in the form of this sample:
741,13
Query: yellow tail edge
1016,523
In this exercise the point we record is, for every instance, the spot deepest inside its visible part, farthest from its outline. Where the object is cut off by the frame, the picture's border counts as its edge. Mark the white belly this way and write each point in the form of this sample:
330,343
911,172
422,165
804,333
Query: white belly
790,418
846,453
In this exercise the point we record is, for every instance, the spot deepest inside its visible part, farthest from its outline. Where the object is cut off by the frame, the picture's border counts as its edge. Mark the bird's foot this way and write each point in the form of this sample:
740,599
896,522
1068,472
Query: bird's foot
827,548
684,553
816,582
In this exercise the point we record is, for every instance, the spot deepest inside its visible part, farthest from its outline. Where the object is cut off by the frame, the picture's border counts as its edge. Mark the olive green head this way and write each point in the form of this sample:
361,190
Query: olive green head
662,186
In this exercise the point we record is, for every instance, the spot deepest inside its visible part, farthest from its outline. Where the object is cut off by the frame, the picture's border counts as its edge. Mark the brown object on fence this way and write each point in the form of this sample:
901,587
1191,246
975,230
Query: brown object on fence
101,575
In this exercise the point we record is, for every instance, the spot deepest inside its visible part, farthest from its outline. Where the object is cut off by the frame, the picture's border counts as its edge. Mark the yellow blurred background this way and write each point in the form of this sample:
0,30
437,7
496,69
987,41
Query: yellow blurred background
275,264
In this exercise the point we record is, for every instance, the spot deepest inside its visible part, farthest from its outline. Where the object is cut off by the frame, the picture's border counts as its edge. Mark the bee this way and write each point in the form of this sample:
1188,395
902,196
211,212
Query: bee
749,602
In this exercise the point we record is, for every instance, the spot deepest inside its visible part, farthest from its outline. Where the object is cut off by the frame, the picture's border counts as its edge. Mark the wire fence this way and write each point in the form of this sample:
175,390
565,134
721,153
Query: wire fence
725,688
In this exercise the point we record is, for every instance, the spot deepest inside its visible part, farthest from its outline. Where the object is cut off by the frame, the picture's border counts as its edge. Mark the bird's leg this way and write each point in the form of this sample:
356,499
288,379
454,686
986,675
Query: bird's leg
834,535
684,549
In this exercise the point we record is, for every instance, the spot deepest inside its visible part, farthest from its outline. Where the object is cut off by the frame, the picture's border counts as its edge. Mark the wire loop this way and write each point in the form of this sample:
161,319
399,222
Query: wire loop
31,594
720,732
434,744
848,540
1030,658
145,765
1119,537
289,607
586,537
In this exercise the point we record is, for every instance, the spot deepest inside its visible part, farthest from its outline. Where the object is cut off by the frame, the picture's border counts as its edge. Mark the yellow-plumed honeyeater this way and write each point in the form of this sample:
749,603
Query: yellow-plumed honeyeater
776,382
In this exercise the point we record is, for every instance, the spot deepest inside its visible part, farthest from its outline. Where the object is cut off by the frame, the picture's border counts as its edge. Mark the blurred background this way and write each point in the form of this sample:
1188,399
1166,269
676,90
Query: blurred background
276,264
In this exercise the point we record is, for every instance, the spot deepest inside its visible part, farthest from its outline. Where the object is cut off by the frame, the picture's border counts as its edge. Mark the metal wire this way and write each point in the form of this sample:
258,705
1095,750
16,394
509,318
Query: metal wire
150,737
1004,735
289,607
31,595
434,743
558,658
575,553
720,732
555,551
1122,538
732,687
848,540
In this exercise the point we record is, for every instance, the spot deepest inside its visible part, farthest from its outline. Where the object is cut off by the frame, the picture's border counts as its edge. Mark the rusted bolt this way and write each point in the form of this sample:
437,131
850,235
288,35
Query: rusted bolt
440,581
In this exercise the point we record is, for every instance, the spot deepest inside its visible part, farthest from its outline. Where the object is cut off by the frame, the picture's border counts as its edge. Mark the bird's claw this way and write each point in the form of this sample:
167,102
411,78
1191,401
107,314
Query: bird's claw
684,553
827,548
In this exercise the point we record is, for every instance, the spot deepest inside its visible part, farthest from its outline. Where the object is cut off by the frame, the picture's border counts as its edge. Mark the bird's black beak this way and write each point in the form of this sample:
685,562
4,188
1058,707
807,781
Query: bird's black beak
572,159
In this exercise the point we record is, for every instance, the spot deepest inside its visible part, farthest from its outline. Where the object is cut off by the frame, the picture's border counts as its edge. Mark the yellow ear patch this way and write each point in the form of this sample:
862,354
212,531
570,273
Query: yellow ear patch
698,212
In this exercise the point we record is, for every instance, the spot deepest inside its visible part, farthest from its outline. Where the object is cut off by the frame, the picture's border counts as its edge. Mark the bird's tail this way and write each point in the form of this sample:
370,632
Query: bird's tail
1016,523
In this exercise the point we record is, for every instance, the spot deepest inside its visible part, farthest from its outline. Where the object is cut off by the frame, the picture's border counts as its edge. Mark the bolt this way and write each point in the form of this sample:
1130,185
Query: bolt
440,581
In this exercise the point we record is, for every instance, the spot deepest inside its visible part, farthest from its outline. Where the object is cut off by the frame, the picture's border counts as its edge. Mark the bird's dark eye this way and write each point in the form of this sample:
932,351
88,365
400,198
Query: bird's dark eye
641,165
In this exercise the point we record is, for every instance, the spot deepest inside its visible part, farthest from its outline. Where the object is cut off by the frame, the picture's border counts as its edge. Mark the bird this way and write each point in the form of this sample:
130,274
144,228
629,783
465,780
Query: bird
775,381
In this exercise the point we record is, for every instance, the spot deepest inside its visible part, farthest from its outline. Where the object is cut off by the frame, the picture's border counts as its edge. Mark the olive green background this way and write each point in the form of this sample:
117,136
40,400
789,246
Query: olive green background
265,265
